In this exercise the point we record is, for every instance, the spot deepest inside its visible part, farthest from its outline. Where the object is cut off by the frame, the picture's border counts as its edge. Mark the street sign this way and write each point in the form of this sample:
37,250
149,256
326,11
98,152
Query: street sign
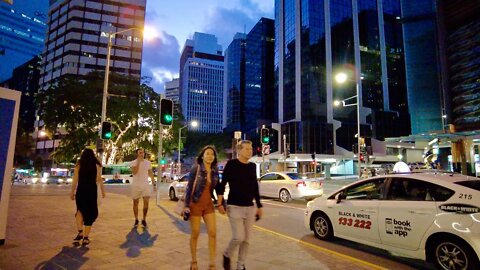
266,149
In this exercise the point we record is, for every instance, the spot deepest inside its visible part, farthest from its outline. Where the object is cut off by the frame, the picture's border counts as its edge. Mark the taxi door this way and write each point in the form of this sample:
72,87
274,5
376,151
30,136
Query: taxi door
406,213
356,215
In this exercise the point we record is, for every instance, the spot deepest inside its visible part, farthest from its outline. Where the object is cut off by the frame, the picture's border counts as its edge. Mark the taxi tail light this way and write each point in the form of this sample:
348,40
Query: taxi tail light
301,184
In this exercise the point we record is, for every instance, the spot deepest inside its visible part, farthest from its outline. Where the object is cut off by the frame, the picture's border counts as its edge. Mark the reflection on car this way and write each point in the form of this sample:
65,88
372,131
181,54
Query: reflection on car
177,188
428,216
289,185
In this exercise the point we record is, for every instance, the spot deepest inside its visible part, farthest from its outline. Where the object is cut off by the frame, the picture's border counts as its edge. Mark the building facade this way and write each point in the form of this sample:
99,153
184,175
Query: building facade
78,34
234,84
172,90
315,40
249,79
22,33
201,80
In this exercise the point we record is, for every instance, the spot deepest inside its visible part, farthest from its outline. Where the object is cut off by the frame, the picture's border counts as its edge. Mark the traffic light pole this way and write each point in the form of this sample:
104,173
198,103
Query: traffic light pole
160,142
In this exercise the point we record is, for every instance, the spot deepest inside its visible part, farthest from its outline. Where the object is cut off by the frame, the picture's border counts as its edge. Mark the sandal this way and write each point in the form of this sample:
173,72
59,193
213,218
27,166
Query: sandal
193,265
79,236
85,241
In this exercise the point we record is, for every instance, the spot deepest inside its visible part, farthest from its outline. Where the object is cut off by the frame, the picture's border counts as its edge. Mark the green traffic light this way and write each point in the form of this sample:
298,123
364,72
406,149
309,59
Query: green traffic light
163,162
266,139
108,135
168,118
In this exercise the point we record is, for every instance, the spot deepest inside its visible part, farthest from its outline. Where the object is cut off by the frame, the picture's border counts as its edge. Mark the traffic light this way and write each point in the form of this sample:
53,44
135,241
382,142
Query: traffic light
362,157
163,161
166,112
106,130
313,156
265,135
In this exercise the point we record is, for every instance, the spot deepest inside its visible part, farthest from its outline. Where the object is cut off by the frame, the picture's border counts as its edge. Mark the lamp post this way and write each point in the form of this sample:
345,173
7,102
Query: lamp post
147,32
193,124
342,78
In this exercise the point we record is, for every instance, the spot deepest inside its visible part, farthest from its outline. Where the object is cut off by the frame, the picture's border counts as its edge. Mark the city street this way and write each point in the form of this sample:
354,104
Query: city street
41,225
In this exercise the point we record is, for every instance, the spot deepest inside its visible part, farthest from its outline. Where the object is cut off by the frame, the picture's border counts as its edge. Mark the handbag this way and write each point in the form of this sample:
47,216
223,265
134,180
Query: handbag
181,201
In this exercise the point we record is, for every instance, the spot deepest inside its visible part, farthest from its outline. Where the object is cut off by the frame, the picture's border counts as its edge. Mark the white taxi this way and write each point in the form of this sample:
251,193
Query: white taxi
428,216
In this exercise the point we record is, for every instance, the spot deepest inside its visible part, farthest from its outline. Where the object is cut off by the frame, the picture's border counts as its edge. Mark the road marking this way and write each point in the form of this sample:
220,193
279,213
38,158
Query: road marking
286,206
318,248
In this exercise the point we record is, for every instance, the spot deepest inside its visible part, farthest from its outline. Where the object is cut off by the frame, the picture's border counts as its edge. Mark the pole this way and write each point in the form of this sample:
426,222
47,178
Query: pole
284,152
358,128
179,142
105,92
160,143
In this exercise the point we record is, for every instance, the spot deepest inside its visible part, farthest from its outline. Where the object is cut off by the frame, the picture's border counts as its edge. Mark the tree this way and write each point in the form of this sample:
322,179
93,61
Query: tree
74,105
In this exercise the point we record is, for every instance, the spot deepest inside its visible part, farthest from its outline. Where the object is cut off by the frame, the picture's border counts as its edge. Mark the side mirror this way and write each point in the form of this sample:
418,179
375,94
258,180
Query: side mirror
340,196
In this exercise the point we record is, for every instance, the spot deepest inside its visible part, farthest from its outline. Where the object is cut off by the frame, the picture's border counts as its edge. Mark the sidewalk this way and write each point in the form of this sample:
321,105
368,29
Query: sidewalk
41,227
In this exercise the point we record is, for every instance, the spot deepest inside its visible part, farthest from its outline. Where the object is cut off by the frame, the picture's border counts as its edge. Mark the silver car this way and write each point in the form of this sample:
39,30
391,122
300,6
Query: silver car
289,185
177,188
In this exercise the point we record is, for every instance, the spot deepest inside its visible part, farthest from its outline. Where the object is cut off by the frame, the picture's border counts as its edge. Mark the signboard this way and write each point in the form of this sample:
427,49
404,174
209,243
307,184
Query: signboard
266,149
9,107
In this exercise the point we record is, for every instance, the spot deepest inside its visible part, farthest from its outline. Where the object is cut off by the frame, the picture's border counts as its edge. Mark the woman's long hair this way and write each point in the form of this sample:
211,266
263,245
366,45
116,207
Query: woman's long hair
88,165
200,155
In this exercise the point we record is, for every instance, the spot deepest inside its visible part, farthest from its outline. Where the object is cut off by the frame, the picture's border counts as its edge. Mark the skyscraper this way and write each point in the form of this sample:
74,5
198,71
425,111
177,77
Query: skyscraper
249,79
234,84
316,40
201,80
22,33
78,34
172,90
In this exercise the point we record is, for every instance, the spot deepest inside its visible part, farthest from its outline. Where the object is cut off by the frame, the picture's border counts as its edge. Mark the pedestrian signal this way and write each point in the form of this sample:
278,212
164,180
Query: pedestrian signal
166,112
106,130
265,136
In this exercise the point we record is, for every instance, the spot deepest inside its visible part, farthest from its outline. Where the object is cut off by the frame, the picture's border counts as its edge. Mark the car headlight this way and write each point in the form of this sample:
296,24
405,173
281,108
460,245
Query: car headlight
34,180
69,180
43,180
60,180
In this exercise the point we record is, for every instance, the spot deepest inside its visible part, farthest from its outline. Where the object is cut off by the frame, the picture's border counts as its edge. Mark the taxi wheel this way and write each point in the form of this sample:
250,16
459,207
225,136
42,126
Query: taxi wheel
284,196
450,253
322,227
171,194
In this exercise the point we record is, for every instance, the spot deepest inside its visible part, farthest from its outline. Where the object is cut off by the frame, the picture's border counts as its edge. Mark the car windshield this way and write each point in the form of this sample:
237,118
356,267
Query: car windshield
294,176
473,184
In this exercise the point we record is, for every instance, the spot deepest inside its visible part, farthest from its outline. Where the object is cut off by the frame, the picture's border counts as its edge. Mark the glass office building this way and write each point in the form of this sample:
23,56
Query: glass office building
22,33
201,82
78,34
315,40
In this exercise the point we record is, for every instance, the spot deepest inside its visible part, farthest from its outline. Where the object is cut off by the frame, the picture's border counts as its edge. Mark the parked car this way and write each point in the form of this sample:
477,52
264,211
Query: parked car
289,185
428,216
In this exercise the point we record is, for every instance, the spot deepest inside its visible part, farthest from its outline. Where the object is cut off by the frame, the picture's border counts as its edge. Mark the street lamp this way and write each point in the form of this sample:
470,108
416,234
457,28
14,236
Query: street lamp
342,78
147,33
194,124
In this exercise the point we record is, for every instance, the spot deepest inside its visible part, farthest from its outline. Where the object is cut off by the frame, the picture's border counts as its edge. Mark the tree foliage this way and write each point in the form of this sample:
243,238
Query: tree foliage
74,105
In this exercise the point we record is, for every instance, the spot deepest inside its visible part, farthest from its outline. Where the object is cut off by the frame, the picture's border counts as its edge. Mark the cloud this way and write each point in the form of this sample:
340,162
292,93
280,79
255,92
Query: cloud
161,57
225,22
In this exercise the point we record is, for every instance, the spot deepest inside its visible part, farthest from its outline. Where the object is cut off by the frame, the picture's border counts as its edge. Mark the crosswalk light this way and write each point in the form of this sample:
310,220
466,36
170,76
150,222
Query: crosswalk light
163,161
265,136
166,112
106,130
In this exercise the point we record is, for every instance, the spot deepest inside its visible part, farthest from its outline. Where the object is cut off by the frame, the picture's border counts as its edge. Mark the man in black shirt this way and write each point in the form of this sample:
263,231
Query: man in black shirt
241,177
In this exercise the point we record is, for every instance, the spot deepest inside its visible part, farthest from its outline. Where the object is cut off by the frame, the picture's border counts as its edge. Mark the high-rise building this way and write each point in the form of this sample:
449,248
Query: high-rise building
234,84
201,80
22,33
78,34
459,51
422,65
249,79
172,90
25,79
315,40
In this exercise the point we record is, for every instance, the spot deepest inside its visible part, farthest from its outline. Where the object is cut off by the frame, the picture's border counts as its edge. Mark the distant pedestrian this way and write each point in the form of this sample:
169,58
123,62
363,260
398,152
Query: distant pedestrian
203,178
241,176
87,175
140,187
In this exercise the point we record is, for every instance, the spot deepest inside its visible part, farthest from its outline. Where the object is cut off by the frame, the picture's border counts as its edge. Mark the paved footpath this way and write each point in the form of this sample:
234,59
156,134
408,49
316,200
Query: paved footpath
41,227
